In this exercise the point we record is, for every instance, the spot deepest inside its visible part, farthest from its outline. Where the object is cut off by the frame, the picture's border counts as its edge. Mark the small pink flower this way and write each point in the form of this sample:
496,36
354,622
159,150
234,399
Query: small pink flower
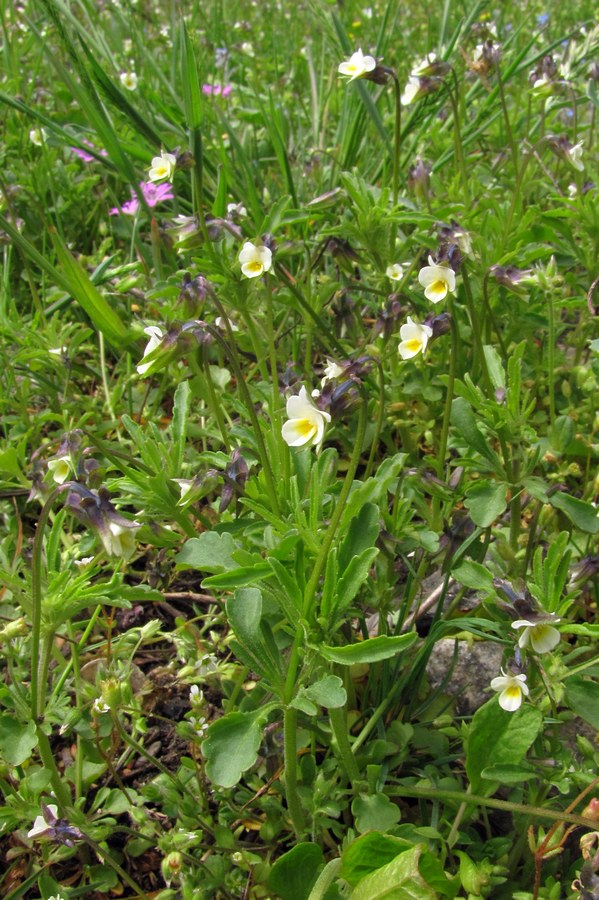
87,157
153,193
217,90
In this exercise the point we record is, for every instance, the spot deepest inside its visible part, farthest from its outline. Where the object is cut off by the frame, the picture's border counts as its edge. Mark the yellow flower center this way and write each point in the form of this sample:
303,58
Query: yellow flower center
438,288
306,428
413,345
513,691
255,266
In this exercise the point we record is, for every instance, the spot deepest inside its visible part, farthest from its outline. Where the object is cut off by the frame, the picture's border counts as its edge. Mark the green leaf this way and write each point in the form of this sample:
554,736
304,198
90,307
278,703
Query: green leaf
462,417
370,852
583,515
353,577
372,650
244,612
497,737
508,774
486,501
293,875
17,740
363,531
328,692
231,745
210,552
374,812
325,880
287,583
582,696
87,294
494,366
473,575
192,97
228,581
398,880
179,423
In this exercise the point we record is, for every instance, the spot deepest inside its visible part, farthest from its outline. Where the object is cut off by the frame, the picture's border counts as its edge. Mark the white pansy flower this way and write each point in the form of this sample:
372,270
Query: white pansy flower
255,259
38,136
156,335
538,634
120,540
414,338
163,167
394,272
574,156
437,280
128,80
41,828
411,90
306,423
60,467
511,690
357,65
424,67
332,370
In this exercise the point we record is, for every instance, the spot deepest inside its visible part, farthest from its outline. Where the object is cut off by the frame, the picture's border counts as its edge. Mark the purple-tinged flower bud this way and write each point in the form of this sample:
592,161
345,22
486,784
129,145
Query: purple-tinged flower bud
97,512
512,278
419,178
440,324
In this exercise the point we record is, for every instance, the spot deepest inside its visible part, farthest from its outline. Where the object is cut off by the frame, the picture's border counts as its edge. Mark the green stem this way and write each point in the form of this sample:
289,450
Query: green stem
38,687
449,395
506,118
337,514
476,333
379,424
216,406
492,803
290,751
231,353
105,384
339,725
551,358
459,150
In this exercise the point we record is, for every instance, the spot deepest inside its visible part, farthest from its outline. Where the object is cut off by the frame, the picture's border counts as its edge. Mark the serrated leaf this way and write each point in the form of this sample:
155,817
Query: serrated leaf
372,650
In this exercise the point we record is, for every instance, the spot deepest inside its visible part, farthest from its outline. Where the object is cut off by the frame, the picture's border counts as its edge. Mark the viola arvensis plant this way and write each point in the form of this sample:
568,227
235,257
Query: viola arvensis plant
414,338
357,66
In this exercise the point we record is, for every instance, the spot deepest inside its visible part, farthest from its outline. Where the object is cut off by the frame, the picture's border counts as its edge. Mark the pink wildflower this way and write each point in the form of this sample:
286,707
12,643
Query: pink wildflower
216,90
87,157
153,193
